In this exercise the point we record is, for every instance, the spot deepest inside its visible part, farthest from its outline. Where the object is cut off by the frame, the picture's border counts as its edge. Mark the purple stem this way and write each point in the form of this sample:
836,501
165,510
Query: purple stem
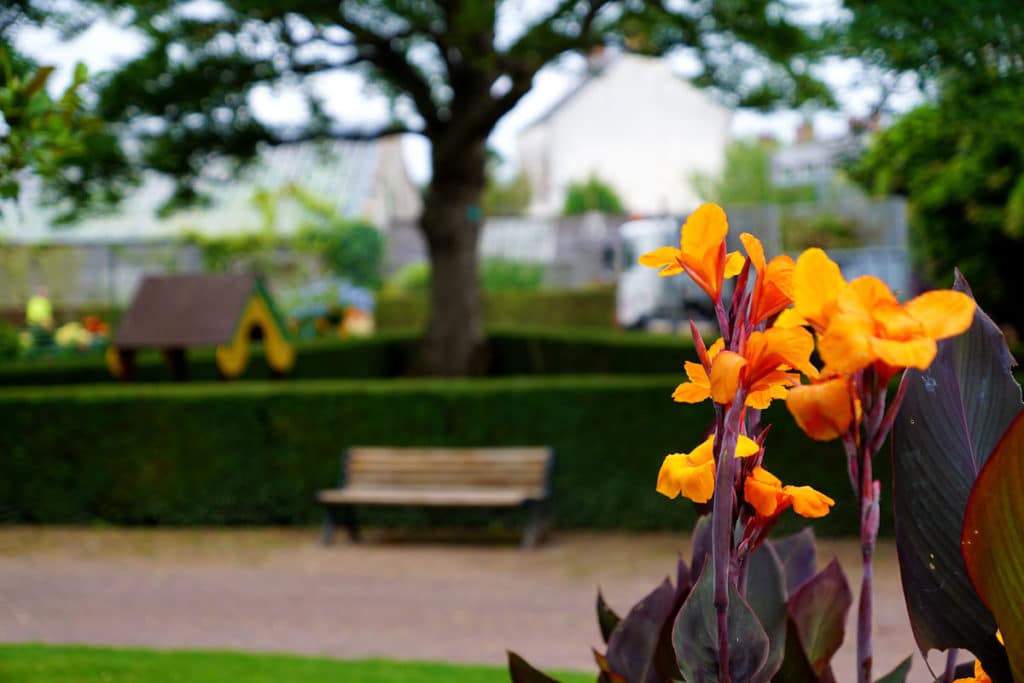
870,493
722,526
950,672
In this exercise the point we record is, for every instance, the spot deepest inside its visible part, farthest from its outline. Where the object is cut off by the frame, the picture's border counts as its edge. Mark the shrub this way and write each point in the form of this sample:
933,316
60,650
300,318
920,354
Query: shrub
256,452
591,195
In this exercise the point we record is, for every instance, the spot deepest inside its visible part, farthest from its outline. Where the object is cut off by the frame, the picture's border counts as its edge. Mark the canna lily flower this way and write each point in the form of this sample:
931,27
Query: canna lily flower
765,492
870,326
824,410
817,282
702,252
773,290
699,386
762,369
693,474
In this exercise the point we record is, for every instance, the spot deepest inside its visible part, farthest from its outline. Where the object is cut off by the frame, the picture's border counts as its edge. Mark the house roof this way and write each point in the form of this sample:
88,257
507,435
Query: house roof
341,173
178,311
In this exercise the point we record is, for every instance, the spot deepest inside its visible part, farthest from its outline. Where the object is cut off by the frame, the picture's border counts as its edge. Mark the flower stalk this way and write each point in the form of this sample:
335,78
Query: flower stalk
722,526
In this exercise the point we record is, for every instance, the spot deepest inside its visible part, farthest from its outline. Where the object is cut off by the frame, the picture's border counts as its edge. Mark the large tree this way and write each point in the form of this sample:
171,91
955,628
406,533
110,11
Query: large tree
453,68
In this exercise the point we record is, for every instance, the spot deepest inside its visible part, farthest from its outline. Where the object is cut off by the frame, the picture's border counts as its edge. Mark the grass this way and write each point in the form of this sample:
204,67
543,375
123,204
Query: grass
78,664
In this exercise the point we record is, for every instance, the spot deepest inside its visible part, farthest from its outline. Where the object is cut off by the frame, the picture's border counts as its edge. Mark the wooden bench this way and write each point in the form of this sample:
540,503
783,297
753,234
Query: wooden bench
443,477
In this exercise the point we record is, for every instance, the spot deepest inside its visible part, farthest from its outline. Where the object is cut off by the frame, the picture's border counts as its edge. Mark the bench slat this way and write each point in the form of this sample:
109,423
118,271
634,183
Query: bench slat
428,496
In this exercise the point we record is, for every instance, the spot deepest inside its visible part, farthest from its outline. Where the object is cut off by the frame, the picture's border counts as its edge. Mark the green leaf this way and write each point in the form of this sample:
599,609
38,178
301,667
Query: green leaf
953,415
766,592
899,674
607,619
795,667
993,541
818,609
520,671
701,540
695,635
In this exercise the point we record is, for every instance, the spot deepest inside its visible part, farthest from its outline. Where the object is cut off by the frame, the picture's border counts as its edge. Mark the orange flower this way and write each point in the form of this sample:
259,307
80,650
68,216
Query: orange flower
761,370
765,492
871,325
773,289
702,252
817,282
979,673
693,474
824,410
699,386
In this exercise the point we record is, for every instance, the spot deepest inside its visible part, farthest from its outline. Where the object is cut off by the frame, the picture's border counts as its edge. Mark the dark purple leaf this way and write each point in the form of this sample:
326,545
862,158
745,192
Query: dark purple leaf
798,559
695,635
607,619
766,593
795,667
899,674
633,645
818,609
701,547
520,671
952,416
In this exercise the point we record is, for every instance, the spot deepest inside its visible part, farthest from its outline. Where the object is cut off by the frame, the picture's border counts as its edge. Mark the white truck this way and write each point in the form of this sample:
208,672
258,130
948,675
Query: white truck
643,297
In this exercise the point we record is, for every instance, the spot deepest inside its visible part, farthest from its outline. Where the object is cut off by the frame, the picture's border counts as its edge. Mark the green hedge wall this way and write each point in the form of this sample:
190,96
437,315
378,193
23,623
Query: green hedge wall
586,308
256,452
522,351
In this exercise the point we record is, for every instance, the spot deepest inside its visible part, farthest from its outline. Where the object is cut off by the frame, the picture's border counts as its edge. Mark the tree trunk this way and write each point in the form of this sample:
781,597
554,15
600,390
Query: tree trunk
454,344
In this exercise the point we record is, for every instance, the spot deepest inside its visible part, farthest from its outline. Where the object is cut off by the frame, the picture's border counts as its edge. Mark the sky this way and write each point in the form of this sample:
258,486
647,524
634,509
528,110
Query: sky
104,45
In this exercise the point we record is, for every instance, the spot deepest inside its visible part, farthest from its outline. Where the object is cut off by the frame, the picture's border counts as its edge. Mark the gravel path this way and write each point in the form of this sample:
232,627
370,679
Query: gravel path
278,590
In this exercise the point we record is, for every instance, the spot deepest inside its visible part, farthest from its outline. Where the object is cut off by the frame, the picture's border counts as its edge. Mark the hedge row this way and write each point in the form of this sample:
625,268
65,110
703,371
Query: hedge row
512,352
584,308
255,453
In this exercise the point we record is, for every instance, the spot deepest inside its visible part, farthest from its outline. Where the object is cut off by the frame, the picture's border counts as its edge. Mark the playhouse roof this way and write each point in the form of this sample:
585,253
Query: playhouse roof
177,311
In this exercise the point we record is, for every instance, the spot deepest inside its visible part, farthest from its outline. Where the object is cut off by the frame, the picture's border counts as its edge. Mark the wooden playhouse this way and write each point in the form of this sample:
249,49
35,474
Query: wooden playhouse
175,313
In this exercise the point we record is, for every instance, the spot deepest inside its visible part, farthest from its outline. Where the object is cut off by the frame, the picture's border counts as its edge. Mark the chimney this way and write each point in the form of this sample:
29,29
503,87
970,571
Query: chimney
597,58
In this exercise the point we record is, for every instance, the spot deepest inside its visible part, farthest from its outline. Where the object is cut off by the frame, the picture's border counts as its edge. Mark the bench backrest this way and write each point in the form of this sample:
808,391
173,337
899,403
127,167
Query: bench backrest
520,469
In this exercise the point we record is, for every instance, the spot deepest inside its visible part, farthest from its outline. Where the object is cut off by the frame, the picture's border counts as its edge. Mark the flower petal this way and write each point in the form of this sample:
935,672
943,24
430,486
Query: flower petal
790,318
823,410
912,353
691,392
763,490
662,256
817,282
807,502
755,250
943,313
734,264
845,346
704,230
745,447
726,371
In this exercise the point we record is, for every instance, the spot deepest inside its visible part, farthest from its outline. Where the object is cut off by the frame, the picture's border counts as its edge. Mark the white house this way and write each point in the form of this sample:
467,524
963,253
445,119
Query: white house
637,126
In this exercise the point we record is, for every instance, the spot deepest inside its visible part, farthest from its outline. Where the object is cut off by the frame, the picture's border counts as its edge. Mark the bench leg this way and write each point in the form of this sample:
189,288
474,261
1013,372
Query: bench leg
327,534
538,523
352,522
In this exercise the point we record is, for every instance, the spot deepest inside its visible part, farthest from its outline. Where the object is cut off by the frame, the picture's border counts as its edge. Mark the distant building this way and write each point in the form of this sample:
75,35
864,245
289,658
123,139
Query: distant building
813,161
634,124
357,179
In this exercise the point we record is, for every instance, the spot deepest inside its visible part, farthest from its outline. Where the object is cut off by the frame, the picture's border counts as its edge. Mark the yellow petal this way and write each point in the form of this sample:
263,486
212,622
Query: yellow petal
691,392
745,447
725,376
681,473
912,353
755,250
845,346
817,282
734,264
716,348
896,323
705,452
762,490
695,372
704,230
823,410
807,502
790,318
942,313
662,256
864,294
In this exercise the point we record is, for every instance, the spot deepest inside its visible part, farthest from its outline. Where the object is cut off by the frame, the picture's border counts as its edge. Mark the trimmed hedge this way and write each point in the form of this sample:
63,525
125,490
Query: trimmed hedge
584,308
512,352
256,452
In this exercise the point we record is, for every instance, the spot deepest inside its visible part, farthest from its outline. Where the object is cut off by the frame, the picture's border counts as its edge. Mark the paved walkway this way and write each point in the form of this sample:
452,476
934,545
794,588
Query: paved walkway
278,590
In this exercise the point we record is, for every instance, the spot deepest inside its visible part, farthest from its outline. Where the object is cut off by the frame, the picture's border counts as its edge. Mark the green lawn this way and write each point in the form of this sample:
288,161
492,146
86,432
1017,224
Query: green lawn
74,664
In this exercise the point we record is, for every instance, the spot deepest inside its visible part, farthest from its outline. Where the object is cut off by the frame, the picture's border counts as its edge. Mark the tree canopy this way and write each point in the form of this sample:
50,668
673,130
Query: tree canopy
450,68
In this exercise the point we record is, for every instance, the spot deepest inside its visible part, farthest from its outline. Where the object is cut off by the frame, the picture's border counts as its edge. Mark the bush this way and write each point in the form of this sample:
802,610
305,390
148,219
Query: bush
496,275
256,452
591,195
